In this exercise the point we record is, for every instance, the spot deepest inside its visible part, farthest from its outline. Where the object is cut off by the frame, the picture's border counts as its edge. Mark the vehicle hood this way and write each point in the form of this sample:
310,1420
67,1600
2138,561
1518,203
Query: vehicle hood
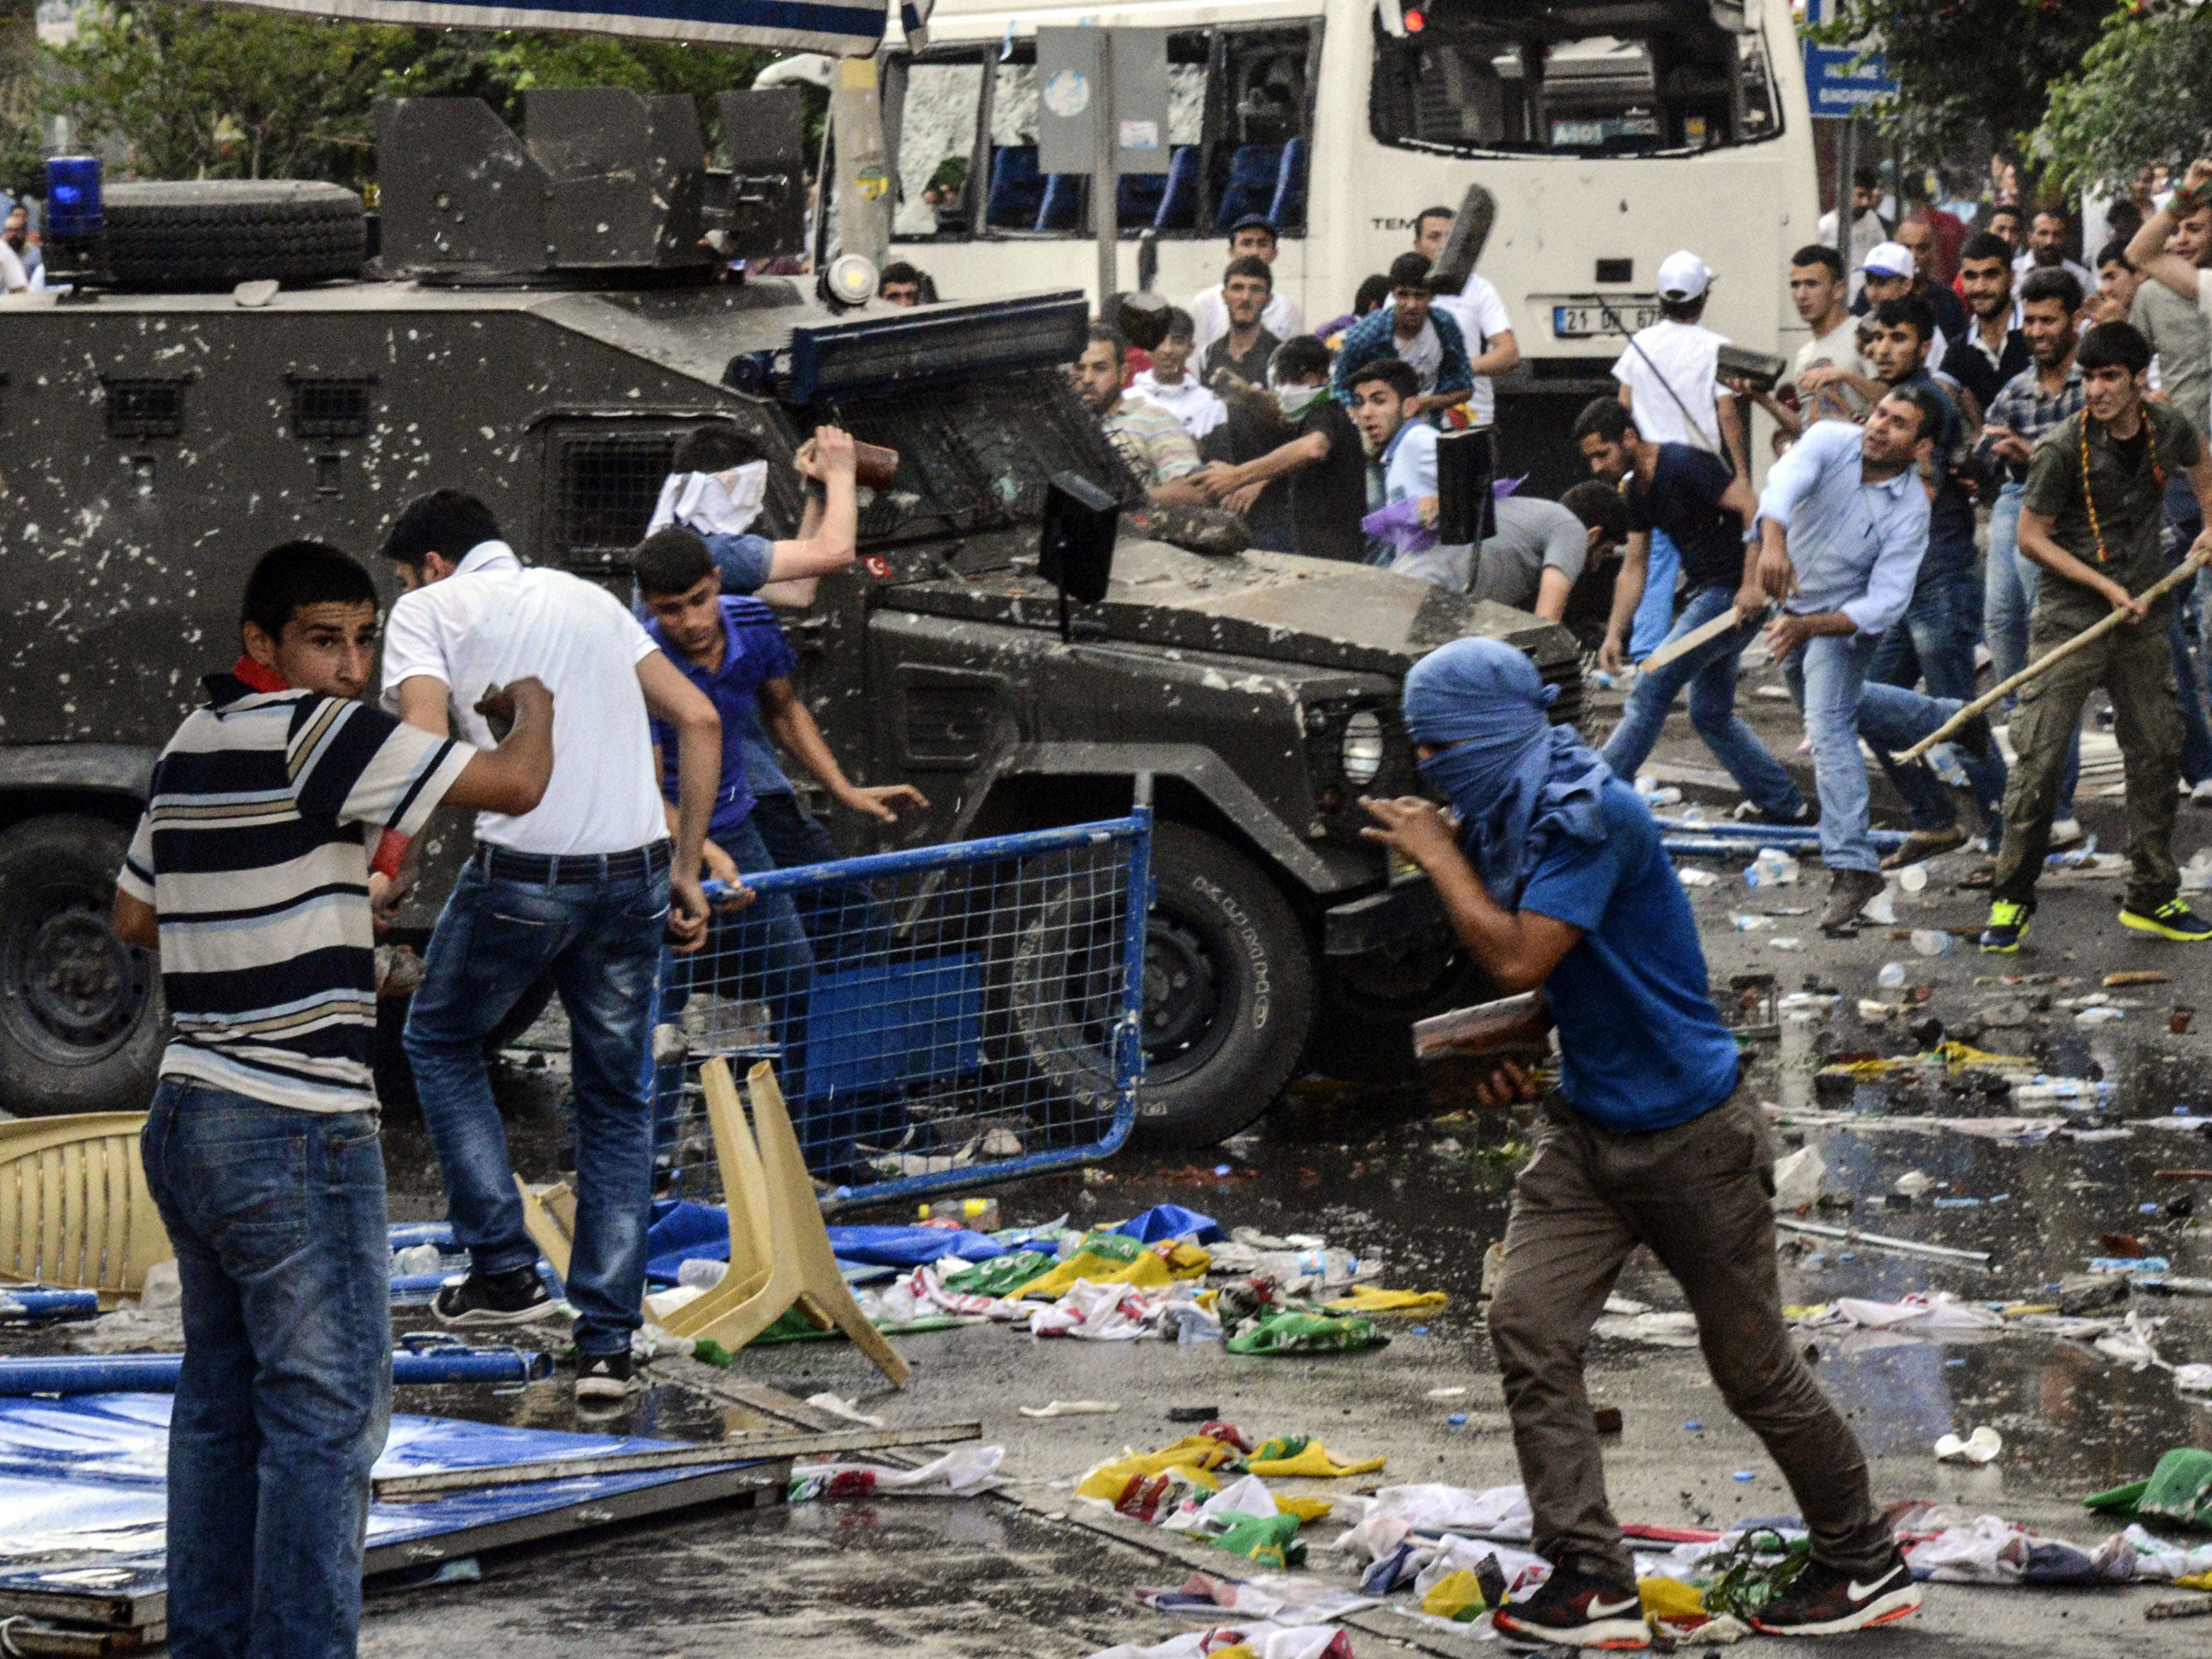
1276,606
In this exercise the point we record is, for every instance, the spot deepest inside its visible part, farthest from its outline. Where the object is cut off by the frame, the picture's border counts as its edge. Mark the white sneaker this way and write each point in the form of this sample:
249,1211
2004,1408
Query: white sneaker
2064,832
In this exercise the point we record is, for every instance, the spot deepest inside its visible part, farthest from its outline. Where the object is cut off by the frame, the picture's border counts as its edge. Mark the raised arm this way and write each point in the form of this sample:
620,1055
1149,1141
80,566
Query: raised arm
828,538
2146,250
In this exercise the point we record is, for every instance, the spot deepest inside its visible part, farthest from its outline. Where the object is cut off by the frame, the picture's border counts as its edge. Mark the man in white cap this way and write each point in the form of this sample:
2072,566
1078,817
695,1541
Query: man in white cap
1670,386
1890,273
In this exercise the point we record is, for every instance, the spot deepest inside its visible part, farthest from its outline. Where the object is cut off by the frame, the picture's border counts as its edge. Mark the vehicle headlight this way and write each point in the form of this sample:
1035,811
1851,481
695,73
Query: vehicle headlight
1362,747
849,281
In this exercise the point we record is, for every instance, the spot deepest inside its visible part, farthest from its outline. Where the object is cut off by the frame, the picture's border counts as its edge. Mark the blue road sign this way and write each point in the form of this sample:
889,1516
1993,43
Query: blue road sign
1841,83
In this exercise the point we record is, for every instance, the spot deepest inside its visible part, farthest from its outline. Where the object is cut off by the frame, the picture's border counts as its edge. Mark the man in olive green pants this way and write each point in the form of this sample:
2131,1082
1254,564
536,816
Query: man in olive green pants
2090,517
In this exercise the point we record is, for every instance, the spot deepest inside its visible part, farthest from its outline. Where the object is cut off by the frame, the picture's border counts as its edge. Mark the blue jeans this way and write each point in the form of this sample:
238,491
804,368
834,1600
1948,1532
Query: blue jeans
600,940
1827,676
2185,522
1894,717
1934,642
843,918
1710,672
1655,612
277,1215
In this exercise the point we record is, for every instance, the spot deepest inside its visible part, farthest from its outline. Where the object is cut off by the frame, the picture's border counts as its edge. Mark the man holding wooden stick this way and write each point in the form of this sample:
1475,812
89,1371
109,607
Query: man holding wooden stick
2090,517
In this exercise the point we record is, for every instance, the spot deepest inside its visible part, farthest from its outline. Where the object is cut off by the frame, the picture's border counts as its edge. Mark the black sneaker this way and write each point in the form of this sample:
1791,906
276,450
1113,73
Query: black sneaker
516,1296
1825,1600
606,1376
1573,1609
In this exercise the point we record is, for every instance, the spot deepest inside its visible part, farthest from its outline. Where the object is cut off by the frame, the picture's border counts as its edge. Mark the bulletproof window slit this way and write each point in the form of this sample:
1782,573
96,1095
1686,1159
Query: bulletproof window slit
604,488
144,407
325,408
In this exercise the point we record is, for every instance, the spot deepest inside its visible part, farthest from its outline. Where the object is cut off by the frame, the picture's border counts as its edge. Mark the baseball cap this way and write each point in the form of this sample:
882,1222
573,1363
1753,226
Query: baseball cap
1683,275
1255,221
1888,259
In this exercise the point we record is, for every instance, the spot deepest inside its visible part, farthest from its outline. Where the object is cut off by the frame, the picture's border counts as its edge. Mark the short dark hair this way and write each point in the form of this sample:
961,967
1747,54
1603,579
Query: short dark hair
1249,265
1429,213
2113,345
715,447
1602,418
447,522
1107,334
2052,210
1909,308
1393,371
1684,310
1985,245
1866,178
1600,507
2114,253
1300,356
671,561
1180,326
2052,283
1819,254
1371,292
1925,404
1409,270
292,576
897,271
1255,221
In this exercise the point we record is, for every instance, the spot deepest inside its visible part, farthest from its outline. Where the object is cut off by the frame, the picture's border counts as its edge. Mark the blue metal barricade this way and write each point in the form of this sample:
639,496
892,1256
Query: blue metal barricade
939,1017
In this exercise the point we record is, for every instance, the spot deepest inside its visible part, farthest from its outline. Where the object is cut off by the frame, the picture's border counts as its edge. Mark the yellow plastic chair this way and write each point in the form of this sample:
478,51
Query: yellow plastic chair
782,1221
74,1209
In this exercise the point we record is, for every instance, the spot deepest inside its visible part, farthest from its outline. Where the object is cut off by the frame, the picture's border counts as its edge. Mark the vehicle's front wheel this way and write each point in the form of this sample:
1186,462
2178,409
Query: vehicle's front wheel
81,1019
1228,992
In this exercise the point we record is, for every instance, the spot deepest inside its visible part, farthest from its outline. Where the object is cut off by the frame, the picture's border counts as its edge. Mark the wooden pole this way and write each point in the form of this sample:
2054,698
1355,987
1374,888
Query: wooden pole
2096,630
1703,634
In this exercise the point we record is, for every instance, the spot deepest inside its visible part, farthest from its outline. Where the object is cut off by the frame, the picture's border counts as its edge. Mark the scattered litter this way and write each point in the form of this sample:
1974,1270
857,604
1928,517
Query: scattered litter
1455,1391
847,1409
962,1473
1797,1178
1071,1408
1265,1640
1692,877
1980,1447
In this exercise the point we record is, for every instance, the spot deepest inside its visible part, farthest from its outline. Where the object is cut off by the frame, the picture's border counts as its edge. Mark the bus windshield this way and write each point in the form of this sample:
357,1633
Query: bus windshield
1476,80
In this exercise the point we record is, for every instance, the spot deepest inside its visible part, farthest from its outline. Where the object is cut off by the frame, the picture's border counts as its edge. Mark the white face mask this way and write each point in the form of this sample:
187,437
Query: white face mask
1295,401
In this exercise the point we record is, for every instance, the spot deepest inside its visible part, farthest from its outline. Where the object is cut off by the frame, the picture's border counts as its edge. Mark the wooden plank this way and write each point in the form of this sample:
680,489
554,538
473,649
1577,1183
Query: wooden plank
1703,635
744,1450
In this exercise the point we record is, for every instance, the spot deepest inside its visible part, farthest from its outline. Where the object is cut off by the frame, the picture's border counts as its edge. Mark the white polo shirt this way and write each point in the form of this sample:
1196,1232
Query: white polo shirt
494,621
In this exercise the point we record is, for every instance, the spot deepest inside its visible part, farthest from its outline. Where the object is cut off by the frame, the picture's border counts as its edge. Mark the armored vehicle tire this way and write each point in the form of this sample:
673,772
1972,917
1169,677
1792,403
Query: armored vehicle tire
217,234
1228,992
80,1020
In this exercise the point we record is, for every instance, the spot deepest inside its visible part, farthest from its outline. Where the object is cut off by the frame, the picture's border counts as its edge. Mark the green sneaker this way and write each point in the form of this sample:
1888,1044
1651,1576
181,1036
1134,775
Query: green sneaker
2172,920
2007,926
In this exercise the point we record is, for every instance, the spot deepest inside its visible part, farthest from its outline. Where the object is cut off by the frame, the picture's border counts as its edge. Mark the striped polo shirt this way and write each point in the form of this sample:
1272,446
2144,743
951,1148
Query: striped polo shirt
253,852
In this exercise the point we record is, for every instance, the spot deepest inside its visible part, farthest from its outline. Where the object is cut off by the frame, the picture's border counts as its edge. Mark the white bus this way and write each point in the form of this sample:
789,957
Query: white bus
1610,131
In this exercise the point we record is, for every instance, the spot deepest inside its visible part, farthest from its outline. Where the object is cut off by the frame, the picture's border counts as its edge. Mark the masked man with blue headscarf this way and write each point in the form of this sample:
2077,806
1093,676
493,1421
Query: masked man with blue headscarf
1554,877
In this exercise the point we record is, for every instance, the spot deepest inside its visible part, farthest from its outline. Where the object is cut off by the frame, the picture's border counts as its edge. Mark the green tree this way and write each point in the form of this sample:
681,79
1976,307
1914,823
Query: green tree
1974,70
2138,96
206,91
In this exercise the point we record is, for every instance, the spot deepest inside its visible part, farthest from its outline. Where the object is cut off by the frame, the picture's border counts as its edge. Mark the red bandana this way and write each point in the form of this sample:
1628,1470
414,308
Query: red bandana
255,677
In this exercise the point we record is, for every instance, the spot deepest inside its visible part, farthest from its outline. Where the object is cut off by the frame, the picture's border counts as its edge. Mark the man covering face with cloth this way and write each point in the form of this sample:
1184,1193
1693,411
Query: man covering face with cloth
1554,877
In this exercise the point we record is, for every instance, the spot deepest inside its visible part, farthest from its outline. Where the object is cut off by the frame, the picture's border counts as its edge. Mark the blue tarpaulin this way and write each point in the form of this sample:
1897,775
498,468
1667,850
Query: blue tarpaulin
1165,1221
685,1230
853,28
86,1480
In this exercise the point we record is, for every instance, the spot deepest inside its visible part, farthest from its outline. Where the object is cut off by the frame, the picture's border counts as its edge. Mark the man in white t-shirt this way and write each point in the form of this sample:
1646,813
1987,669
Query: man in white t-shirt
1253,236
1170,383
1480,311
2148,252
579,889
1670,385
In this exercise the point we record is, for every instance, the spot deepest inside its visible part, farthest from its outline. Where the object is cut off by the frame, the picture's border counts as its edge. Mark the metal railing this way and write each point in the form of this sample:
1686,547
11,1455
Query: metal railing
940,1017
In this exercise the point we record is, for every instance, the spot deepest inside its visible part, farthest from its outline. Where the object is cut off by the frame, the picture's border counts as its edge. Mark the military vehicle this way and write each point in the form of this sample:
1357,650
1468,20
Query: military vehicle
540,323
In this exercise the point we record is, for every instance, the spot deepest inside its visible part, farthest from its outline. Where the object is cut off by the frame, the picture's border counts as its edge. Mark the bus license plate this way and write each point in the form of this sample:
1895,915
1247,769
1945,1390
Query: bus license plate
1580,320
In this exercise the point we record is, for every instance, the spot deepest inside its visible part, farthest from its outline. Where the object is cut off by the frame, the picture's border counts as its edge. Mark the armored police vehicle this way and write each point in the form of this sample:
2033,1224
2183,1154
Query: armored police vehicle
540,322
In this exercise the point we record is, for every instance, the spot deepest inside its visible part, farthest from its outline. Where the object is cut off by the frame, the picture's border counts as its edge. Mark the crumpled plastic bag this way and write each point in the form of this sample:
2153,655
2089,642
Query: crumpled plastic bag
1301,1454
1271,1540
2180,1488
1105,1258
1372,1299
1262,1595
961,1472
1197,1455
1291,1332
1247,1496
1931,1314
1166,1221
1258,1641
1100,1313
1500,1512
1004,1277
1991,1550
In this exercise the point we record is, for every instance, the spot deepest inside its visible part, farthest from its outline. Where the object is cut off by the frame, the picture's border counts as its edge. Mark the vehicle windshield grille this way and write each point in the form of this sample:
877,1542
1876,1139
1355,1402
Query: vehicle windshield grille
604,488
977,456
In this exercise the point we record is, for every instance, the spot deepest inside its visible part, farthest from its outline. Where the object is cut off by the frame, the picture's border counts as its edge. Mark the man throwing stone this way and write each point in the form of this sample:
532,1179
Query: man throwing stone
2090,517
1555,877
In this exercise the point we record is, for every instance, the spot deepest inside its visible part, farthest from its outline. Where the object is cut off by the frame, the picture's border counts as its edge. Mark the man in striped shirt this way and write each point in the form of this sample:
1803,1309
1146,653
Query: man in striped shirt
249,874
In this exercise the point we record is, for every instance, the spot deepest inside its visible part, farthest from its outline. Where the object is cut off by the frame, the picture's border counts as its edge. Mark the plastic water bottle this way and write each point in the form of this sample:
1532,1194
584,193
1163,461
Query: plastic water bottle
1770,867
1945,761
1892,976
1933,942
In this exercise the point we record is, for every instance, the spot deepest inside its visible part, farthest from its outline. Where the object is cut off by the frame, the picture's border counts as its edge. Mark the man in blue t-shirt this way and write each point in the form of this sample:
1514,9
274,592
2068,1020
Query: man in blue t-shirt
733,650
1555,877
1690,496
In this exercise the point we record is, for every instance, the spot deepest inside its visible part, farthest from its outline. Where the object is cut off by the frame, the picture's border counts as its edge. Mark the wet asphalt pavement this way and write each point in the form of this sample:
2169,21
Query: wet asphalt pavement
1421,1181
